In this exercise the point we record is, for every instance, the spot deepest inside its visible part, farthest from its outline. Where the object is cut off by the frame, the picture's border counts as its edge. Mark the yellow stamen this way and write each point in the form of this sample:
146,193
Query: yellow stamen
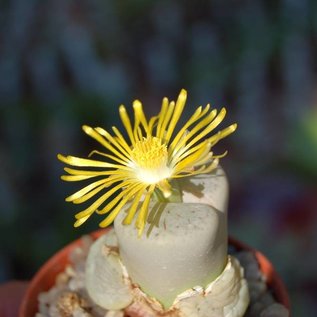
150,153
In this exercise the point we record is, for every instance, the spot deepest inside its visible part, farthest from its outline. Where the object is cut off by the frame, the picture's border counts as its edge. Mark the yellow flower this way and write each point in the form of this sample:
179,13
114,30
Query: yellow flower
145,164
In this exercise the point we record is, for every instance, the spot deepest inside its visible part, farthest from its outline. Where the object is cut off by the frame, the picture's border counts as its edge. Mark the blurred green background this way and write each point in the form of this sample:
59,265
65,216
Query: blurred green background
68,63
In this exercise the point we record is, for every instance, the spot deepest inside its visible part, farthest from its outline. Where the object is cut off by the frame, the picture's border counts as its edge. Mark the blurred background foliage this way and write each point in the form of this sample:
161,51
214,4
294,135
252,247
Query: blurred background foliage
68,63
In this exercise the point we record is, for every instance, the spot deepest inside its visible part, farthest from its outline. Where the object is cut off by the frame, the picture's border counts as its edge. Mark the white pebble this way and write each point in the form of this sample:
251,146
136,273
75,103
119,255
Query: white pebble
80,313
267,299
275,310
114,313
256,289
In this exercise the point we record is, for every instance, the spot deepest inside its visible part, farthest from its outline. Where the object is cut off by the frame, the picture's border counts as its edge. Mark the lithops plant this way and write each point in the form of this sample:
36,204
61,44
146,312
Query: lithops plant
167,196
180,266
106,282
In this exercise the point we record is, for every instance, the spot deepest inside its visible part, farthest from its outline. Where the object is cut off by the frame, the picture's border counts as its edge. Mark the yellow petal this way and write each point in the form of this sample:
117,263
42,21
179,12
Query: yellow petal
161,116
131,213
195,116
140,222
85,190
88,173
80,221
98,137
93,207
75,178
126,122
201,125
131,189
120,142
77,161
139,115
166,120
114,158
191,159
106,222
179,107
115,141
222,134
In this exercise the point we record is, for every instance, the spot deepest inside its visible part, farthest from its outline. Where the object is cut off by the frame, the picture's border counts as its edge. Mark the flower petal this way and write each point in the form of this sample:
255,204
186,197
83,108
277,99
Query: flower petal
77,161
126,122
106,222
142,216
98,137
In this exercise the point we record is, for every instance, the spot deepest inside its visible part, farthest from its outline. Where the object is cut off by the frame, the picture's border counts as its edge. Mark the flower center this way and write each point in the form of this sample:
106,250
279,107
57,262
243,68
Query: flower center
150,157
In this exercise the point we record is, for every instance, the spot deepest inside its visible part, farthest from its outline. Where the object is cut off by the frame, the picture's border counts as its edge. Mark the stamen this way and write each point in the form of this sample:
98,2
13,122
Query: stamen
150,160
150,153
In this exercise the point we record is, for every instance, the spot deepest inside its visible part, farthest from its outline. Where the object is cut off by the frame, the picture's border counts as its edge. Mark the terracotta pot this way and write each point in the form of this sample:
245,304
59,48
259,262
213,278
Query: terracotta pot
44,279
